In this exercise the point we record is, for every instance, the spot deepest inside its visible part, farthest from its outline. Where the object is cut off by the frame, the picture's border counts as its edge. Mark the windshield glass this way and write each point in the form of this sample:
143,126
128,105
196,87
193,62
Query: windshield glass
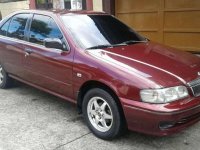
97,30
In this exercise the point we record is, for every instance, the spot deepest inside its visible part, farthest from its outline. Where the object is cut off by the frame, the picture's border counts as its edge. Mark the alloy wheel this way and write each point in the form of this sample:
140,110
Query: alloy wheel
100,114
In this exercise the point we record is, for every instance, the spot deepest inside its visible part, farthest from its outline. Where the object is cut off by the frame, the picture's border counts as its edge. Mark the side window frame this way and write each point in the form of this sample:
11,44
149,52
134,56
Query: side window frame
28,24
68,49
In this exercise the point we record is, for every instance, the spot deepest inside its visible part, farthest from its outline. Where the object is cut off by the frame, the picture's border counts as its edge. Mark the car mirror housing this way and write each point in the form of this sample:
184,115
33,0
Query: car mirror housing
53,43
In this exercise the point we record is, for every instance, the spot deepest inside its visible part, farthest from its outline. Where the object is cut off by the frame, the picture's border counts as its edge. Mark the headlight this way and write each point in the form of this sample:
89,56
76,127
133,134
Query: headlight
163,95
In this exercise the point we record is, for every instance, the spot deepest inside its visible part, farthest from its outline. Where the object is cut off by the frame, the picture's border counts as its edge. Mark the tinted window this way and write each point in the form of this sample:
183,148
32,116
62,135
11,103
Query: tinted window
17,26
43,27
4,28
93,30
55,32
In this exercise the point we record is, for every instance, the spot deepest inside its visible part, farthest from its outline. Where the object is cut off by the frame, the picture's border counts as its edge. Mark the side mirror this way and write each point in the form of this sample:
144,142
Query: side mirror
53,43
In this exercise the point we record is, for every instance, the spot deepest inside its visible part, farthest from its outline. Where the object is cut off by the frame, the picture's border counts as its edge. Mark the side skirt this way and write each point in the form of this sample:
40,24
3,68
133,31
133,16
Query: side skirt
45,90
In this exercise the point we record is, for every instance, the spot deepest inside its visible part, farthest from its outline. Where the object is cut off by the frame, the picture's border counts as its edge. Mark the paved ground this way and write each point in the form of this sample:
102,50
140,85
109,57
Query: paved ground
31,119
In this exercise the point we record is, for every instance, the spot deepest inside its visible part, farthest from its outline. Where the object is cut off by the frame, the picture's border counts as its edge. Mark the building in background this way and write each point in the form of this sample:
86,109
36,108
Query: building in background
175,23
8,6
171,22
58,4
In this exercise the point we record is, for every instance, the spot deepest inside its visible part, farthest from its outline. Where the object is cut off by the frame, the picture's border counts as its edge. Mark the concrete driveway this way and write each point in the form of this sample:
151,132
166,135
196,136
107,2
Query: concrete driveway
31,119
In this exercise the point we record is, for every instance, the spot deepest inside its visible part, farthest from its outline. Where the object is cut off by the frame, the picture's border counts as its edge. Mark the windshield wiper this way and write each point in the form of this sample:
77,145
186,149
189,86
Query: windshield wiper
99,46
106,46
115,45
134,41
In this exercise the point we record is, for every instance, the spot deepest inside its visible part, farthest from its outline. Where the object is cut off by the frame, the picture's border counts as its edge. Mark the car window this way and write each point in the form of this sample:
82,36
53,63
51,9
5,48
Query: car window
4,28
94,30
43,27
17,26
55,32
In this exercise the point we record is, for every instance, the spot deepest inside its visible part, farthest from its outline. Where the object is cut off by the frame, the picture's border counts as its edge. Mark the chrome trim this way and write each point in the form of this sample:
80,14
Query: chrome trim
193,84
195,94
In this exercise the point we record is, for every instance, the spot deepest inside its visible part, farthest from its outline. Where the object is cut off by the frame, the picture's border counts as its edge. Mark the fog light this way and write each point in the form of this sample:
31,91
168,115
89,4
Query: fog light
166,125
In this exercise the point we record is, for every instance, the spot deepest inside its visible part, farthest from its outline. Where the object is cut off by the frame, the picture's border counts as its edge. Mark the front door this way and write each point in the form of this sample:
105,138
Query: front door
48,68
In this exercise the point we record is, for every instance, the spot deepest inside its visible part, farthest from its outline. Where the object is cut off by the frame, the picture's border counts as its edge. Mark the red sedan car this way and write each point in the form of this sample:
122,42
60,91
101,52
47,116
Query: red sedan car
117,78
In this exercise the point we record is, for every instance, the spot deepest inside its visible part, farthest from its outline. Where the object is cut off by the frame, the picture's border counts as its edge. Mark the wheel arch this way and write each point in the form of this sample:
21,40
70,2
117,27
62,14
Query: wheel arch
96,84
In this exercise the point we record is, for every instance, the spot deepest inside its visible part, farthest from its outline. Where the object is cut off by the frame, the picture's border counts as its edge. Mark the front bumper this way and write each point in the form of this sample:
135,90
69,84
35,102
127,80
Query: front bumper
161,119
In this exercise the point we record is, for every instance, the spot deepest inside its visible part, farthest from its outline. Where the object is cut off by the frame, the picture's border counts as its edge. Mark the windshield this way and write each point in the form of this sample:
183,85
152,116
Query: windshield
98,30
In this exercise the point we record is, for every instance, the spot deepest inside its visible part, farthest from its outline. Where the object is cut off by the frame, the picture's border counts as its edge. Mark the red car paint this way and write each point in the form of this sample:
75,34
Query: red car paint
124,69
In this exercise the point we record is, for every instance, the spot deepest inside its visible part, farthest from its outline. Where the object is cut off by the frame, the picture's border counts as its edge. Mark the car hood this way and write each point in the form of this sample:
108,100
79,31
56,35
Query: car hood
165,65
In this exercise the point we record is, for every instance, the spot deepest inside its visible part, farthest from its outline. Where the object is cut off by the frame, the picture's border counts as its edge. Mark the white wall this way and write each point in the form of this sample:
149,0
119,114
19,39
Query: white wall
97,5
7,8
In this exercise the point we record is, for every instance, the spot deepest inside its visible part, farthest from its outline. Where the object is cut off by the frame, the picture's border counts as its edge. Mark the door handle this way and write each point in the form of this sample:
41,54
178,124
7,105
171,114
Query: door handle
28,51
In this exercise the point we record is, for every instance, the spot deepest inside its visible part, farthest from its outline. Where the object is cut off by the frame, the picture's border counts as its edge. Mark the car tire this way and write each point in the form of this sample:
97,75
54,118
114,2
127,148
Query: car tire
102,114
5,80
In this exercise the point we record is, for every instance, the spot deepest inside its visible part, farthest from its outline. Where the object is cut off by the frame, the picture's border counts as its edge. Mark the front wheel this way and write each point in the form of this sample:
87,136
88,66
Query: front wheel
102,114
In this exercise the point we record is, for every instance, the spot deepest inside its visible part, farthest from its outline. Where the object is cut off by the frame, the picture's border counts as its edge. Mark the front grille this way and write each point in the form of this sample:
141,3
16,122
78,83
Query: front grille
195,87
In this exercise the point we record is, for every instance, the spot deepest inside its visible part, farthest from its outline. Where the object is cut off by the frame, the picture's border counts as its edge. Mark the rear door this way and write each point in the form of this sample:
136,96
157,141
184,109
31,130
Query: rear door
48,68
12,37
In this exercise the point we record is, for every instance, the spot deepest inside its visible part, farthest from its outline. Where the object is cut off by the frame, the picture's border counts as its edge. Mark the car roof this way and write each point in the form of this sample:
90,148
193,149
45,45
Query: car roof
61,12
53,12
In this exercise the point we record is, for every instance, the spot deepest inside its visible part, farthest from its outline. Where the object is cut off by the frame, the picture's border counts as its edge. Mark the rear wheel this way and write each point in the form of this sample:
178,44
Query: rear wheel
102,114
5,80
